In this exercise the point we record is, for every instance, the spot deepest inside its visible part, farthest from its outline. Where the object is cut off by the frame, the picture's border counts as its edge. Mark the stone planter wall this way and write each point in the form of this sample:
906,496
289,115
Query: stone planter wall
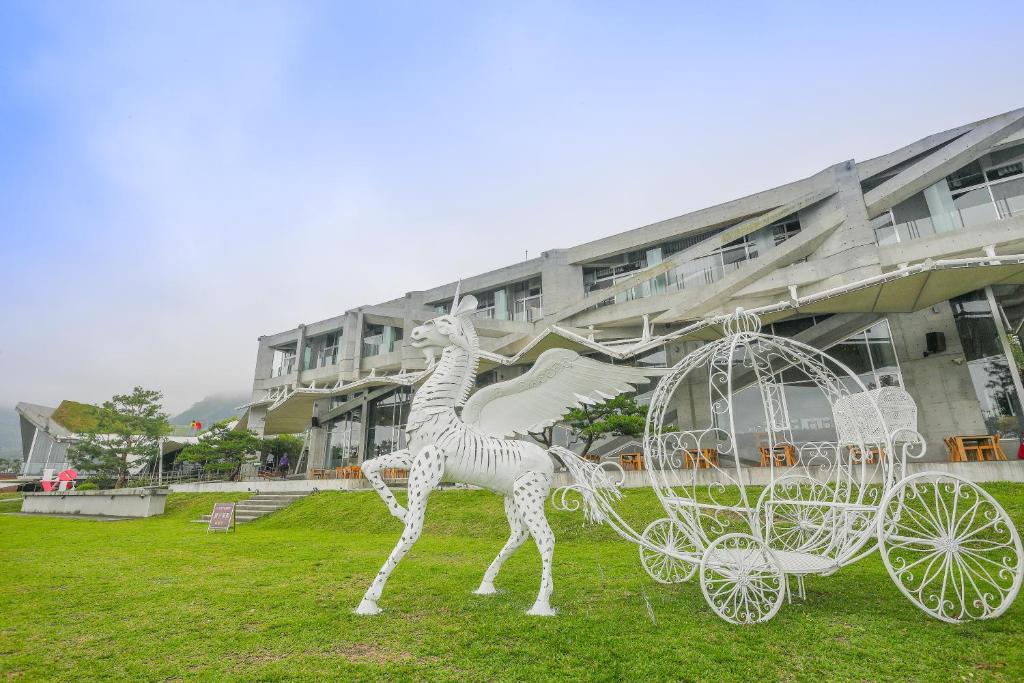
144,502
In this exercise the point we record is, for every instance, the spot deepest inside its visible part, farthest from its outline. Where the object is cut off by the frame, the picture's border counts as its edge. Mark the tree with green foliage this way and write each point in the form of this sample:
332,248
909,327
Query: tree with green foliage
284,443
223,450
619,416
125,432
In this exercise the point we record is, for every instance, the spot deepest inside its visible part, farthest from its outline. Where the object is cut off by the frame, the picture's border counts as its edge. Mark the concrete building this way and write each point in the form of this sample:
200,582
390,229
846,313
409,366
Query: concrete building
48,433
907,266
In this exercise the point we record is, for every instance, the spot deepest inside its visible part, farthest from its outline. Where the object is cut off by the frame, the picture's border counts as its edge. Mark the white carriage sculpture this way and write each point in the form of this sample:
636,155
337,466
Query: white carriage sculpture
947,544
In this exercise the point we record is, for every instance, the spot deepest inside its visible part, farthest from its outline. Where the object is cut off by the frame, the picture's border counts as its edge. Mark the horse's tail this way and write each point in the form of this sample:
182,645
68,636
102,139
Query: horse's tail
596,486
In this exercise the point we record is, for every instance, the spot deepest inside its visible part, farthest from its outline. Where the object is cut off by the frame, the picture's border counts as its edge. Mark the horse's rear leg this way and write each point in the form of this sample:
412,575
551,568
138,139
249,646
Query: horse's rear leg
424,475
371,469
529,493
518,535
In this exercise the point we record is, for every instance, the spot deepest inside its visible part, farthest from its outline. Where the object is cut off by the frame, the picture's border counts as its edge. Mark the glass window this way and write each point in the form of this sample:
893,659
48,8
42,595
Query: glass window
388,415
655,358
974,206
785,230
869,354
485,378
528,300
1005,171
1009,197
603,274
997,395
792,327
373,340
1010,154
378,339
967,176
974,324
284,362
987,363
853,353
343,436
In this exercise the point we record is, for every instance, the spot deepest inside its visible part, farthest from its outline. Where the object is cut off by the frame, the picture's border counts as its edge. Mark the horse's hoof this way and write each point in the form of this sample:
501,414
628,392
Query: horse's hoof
541,610
486,589
367,608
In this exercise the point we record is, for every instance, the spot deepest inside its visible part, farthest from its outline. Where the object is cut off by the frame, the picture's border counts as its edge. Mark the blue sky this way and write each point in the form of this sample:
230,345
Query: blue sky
178,178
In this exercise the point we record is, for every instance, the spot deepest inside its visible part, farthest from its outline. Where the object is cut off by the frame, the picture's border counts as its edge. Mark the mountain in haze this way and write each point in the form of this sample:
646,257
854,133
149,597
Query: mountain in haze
212,409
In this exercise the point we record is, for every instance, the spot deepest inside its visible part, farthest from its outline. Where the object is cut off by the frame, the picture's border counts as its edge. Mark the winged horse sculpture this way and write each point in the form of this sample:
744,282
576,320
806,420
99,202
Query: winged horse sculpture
474,448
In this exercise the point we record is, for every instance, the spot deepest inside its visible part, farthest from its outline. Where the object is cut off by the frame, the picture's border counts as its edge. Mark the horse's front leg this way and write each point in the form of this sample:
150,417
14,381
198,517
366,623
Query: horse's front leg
372,469
424,475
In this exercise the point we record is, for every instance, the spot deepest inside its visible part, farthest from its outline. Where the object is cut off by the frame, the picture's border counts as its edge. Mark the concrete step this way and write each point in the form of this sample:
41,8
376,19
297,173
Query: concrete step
258,506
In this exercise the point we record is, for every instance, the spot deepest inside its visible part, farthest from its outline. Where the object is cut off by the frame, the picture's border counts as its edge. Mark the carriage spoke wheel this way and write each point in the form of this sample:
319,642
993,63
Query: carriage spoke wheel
741,580
950,547
663,565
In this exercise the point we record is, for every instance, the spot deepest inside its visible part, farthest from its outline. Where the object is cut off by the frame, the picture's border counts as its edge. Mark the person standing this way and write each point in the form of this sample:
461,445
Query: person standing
282,464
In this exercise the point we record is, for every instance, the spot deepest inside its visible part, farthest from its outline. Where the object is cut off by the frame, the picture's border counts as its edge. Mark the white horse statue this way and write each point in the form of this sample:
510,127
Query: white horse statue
474,449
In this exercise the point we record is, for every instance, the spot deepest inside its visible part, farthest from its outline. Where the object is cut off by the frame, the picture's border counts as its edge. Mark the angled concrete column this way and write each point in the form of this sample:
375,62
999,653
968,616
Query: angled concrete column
317,446
348,364
561,281
415,305
852,245
300,348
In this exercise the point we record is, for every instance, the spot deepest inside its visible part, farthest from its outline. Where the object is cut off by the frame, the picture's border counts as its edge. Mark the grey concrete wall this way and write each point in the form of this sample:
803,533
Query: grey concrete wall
562,282
978,472
317,444
285,486
119,503
941,383
1012,471
692,400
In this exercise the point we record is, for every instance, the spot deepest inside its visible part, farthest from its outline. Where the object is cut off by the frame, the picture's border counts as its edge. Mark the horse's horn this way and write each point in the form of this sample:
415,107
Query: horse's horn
455,299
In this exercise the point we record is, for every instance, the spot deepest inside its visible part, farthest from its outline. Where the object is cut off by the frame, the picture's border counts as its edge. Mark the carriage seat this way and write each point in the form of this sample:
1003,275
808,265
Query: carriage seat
856,420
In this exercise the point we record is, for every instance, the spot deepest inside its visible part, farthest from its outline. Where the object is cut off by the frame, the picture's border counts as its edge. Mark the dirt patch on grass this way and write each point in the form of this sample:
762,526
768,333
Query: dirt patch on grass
355,653
373,654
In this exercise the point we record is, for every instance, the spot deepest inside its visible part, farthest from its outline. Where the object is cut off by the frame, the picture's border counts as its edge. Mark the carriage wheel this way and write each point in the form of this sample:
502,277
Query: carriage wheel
663,565
950,547
795,515
741,579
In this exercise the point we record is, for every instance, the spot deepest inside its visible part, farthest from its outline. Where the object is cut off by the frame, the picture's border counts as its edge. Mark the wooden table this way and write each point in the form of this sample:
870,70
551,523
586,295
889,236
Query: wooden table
701,458
982,446
632,461
779,455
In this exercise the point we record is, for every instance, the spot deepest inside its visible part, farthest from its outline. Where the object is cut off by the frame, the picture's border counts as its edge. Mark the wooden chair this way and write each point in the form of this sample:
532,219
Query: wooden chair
632,461
351,472
997,450
872,457
955,447
782,455
700,458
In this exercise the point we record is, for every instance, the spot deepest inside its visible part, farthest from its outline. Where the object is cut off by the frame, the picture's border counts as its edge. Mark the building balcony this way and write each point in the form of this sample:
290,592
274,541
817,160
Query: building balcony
287,367
979,206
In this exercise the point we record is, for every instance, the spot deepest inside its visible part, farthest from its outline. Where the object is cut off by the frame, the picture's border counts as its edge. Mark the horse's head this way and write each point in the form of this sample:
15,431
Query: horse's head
450,329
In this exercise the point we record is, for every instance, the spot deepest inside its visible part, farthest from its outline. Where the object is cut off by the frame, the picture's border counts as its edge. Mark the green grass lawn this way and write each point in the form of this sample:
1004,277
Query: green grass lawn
161,599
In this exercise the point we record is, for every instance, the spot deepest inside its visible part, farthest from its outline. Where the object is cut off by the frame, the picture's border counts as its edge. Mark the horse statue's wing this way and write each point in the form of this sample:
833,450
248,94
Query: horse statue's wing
560,379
